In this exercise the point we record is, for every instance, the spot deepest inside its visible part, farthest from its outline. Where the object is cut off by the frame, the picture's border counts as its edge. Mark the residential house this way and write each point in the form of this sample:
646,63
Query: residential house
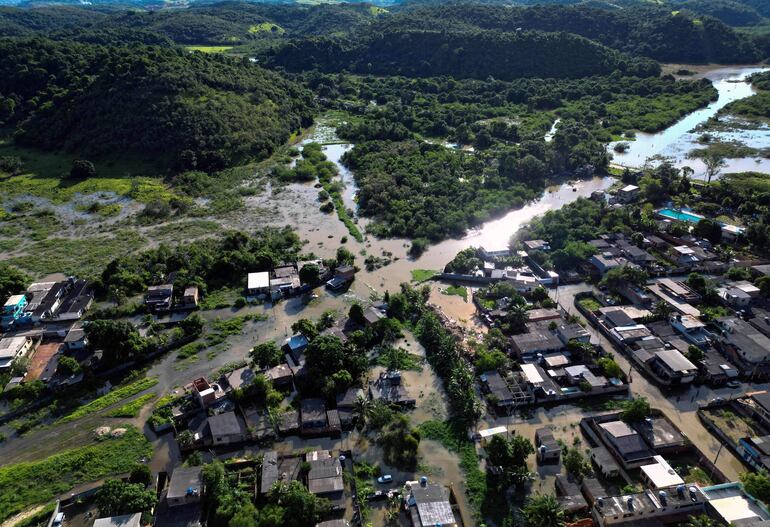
569,495
670,505
626,444
126,520
606,261
761,321
346,403
537,245
636,255
543,314
227,429
759,403
343,275
316,420
13,310
755,451
716,369
546,447
389,388
734,297
573,332
684,256
284,280
604,461
659,475
497,389
296,345
238,378
635,294
258,283
12,348
281,376
729,504
673,367
204,392
539,338
185,487
627,194
372,315
77,297
745,346
692,329
190,298
617,318
159,297
325,476
428,505
76,339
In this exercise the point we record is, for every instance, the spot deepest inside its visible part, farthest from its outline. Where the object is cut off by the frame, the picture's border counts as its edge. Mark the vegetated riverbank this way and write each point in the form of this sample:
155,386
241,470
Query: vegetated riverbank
677,142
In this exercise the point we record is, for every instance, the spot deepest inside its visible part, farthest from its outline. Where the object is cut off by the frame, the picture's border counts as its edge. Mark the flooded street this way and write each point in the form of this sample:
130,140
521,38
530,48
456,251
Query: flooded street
678,140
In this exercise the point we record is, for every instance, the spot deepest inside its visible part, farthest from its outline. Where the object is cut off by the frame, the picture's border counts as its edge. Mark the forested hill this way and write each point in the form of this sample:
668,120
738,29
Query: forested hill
655,32
159,103
474,53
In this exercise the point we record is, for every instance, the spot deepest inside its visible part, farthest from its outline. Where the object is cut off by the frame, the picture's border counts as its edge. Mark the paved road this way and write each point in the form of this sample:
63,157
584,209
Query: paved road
680,406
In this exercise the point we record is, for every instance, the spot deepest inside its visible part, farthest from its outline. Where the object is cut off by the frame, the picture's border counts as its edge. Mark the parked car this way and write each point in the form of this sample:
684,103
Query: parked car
378,495
734,384
387,478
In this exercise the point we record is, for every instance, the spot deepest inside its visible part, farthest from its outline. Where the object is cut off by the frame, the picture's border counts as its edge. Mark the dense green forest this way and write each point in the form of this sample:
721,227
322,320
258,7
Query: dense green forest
158,103
475,53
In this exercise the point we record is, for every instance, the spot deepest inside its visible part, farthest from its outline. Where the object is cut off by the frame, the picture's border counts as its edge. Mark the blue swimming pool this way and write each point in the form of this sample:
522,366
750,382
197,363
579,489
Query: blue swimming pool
681,215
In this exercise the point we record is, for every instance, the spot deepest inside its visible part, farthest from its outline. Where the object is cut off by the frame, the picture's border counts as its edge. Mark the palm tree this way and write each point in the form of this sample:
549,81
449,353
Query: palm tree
543,511
518,317
714,163
362,409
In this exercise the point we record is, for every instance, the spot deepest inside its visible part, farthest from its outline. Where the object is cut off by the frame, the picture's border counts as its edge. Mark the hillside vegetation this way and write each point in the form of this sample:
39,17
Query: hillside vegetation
152,102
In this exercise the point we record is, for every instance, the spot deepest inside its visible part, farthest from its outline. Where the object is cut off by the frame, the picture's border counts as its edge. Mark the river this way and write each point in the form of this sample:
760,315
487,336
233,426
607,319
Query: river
676,141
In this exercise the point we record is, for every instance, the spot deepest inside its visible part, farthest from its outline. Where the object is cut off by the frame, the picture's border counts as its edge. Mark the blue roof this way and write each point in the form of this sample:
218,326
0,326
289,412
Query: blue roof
297,341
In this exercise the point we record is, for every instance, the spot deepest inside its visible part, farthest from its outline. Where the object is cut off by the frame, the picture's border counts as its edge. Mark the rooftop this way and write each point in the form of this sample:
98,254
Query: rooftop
258,280
732,504
675,361
660,474
185,481
432,502
127,520
226,424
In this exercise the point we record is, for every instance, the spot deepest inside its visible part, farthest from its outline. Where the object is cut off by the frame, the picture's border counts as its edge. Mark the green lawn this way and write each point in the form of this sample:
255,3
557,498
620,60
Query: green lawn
457,290
422,275
26,484
109,399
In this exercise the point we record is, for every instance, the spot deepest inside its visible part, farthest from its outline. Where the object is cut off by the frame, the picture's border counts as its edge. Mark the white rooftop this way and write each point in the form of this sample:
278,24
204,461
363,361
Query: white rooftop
14,300
531,373
629,188
661,475
618,429
258,280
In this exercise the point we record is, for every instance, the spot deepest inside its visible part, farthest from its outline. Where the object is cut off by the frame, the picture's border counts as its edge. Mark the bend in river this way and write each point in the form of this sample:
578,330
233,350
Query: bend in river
676,141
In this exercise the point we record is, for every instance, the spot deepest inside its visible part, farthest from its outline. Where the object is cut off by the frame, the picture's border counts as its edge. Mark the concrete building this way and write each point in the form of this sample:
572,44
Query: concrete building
258,283
627,194
659,475
159,298
546,447
185,487
745,346
671,505
12,348
730,505
126,520
429,506
673,367
227,429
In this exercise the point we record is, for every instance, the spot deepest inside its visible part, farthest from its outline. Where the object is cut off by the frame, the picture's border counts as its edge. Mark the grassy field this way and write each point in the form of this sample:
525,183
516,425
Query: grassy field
85,257
133,408
209,49
422,275
267,27
26,484
456,290
43,173
109,399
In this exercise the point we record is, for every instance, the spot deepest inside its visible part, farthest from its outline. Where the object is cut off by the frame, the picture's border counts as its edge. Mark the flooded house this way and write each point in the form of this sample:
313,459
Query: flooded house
185,487
258,283
159,298
669,505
